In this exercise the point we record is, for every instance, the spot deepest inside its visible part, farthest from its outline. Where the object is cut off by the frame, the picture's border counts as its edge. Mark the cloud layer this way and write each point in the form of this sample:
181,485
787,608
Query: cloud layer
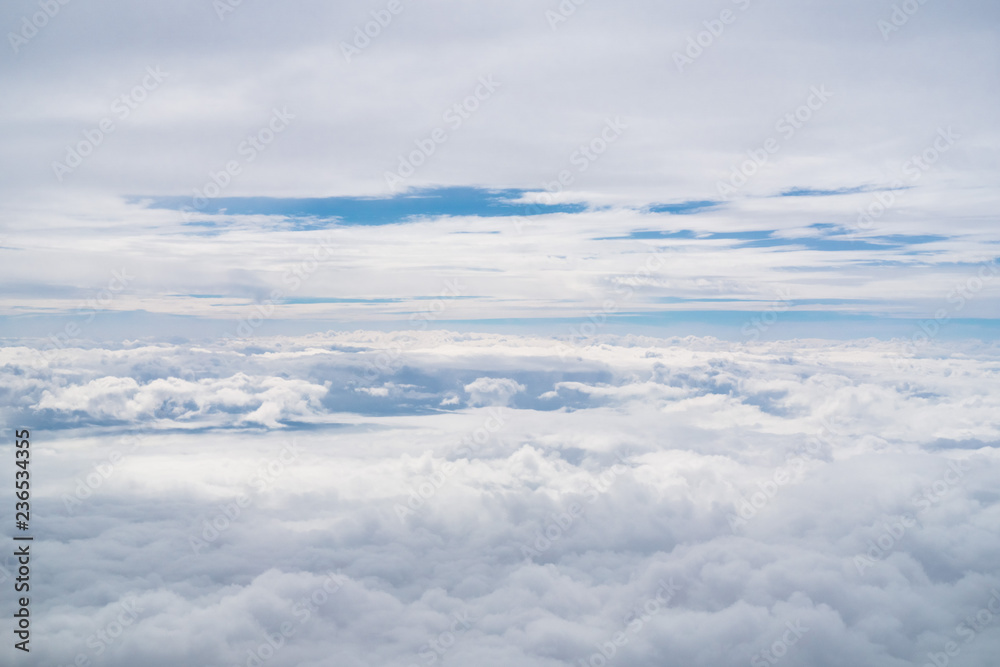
688,126
401,499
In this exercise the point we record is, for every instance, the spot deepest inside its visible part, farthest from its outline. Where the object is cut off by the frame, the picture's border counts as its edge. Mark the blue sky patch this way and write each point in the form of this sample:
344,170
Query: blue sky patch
429,202
817,192
684,208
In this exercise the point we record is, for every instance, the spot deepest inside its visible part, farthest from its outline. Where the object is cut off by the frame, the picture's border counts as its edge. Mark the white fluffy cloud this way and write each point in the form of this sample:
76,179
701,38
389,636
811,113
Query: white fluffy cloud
723,493
257,400
492,391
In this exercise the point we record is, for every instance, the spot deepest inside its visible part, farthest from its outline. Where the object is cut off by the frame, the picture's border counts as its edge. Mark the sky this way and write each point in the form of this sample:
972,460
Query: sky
603,271
825,156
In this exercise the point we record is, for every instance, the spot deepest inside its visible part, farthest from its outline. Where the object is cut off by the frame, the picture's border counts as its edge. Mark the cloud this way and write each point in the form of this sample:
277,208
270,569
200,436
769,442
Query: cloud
792,484
492,391
883,248
196,118
242,398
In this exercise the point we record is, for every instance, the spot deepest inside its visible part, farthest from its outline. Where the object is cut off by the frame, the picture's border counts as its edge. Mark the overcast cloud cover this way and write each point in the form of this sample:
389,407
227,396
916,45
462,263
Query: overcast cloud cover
503,333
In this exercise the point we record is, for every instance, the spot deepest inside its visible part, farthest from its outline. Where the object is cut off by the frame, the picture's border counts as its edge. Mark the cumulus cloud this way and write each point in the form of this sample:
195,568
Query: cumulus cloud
701,503
262,400
492,391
